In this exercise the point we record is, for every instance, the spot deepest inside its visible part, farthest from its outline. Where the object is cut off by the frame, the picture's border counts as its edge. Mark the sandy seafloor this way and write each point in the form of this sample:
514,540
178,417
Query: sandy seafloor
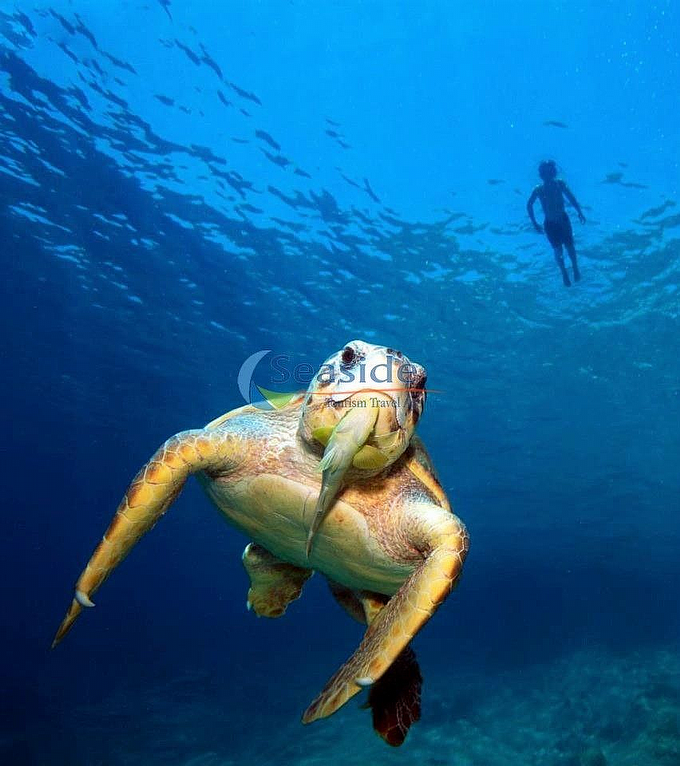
591,708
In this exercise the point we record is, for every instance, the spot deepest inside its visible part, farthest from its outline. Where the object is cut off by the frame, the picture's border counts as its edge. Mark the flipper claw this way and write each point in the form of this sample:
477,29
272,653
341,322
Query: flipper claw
83,599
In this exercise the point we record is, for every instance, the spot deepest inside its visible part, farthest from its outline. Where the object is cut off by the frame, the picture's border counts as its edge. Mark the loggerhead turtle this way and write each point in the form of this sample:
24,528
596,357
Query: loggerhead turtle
386,539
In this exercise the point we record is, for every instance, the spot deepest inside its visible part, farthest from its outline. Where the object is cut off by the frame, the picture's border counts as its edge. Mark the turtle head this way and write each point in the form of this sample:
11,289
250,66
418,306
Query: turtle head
373,378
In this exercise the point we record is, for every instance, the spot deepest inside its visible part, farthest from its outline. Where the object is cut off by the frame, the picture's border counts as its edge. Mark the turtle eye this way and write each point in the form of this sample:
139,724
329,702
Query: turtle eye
348,356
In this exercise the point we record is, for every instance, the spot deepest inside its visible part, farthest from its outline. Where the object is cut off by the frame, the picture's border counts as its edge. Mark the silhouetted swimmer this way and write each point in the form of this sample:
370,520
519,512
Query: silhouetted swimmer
556,225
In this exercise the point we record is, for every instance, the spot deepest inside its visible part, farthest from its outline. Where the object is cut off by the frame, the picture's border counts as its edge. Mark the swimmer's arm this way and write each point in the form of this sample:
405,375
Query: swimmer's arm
530,209
569,195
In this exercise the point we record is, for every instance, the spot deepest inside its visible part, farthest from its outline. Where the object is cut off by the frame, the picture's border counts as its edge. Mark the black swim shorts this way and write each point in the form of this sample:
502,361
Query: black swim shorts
559,231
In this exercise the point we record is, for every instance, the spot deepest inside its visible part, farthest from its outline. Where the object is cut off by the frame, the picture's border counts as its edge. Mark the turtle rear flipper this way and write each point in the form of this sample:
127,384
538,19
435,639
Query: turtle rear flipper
273,583
394,699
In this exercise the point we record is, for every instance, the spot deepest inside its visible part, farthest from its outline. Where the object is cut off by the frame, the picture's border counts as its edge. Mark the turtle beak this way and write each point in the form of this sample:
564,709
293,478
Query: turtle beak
419,395
409,397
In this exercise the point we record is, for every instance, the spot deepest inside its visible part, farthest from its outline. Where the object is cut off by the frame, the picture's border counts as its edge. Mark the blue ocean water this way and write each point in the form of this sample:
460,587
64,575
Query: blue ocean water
183,185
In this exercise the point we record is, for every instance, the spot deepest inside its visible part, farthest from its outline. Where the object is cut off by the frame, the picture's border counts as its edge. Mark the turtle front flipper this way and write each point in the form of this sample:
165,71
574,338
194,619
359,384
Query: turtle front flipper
148,497
442,539
273,583
394,699
346,439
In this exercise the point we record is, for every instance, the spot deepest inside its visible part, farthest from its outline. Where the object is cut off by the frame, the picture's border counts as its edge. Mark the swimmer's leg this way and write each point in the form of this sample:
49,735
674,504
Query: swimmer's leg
571,250
559,257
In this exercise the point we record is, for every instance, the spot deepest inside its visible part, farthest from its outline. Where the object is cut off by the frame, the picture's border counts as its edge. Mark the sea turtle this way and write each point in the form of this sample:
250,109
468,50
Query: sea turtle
387,541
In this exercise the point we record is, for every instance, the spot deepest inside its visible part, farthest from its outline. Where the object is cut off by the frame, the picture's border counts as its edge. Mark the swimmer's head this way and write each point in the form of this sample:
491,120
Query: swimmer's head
547,170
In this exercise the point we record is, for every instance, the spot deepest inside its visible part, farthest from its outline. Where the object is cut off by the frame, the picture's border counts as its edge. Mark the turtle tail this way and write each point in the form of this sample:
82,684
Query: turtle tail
148,497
